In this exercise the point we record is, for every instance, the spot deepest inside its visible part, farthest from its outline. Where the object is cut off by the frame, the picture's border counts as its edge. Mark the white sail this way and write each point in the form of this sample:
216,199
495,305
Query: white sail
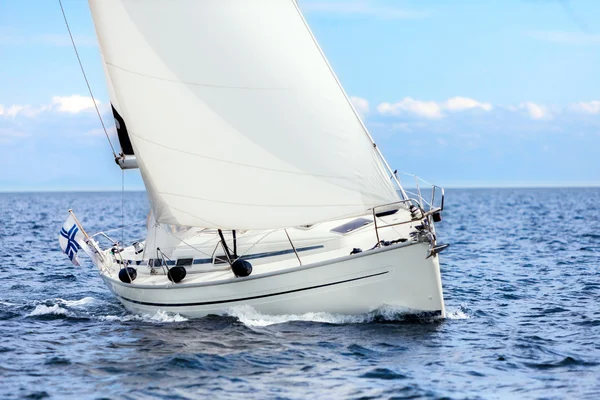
235,117
109,86
164,237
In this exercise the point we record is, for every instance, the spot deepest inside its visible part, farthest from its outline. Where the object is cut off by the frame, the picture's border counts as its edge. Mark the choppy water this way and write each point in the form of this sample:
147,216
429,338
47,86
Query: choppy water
521,284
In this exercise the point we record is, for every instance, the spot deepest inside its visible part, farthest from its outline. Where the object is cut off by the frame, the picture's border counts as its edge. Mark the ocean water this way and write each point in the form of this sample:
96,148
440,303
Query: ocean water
520,279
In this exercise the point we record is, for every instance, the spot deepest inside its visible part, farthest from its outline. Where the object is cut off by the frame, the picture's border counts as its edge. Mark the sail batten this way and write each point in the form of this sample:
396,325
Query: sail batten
235,116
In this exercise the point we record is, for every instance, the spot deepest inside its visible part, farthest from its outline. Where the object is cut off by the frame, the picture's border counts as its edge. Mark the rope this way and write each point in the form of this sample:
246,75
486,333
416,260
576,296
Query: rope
119,228
257,242
86,79
123,207
184,242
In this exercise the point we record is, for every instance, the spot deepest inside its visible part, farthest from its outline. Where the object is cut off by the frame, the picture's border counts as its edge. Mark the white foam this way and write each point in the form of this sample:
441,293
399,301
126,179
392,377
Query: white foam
46,310
159,317
162,316
250,317
112,318
457,314
77,303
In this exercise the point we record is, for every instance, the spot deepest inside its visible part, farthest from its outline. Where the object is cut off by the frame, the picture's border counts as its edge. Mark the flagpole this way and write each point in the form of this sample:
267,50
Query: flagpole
79,224
90,241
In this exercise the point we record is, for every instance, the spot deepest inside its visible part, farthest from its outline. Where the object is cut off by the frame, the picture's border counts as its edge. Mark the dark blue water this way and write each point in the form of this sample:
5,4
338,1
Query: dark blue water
521,284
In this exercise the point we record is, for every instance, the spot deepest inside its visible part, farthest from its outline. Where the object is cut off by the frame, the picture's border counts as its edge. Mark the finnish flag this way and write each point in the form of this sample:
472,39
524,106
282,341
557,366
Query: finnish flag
72,240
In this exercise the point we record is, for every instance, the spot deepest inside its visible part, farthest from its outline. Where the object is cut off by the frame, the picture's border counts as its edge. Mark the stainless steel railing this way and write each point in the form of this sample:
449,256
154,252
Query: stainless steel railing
421,208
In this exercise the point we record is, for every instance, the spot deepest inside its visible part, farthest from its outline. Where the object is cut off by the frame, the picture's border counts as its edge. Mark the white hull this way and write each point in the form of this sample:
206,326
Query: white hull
398,275
230,159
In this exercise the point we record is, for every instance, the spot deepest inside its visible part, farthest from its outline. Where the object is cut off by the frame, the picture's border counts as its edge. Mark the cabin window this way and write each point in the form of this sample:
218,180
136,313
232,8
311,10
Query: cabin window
184,262
351,225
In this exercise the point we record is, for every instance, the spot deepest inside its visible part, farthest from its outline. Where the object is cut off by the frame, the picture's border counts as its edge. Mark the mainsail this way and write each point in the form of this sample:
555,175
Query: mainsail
235,117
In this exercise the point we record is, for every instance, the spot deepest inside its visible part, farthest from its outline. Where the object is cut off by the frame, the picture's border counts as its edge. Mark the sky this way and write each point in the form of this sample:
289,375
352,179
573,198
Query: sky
463,93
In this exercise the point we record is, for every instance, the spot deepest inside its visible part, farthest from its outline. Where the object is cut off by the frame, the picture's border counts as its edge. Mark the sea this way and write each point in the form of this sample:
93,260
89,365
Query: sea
521,282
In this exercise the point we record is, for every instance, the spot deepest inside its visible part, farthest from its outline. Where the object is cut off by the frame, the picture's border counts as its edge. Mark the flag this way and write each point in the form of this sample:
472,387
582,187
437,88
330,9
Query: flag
72,240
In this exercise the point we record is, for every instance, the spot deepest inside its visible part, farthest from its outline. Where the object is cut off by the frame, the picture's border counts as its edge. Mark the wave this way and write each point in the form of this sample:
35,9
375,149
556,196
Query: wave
459,313
43,309
58,306
90,307
76,303
159,317
250,317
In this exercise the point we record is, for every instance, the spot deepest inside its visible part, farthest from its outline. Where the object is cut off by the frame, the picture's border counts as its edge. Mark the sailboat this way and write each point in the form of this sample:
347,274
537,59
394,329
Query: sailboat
266,189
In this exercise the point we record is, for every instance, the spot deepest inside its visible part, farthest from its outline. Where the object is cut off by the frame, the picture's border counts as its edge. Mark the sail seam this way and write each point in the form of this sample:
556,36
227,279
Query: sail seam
208,223
236,163
341,178
191,83
362,205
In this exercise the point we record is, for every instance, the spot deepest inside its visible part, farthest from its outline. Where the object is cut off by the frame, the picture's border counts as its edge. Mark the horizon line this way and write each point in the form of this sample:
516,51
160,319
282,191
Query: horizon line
465,186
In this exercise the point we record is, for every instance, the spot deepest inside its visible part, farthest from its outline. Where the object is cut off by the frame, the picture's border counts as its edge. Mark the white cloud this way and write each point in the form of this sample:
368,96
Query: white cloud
69,104
25,110
465,103
425,109
431,109
569,38
73,104
360,105
359,7
438,110
589,107
535,111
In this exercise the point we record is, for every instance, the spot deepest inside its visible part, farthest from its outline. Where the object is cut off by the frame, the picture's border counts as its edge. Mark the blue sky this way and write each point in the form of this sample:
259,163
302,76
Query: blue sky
462,93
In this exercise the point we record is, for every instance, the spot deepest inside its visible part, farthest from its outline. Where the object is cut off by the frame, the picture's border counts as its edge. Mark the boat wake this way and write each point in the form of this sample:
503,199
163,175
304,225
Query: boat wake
458,313
86,301
159,317
252,318
43,309
94,309
58,306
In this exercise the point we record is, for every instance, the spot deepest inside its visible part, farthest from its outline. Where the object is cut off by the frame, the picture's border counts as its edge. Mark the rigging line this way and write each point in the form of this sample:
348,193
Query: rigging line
123,207
86,79
119,228
257,242
183,241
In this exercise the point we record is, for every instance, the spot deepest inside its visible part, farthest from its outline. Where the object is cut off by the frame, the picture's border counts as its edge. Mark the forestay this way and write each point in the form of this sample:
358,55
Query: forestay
236,119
